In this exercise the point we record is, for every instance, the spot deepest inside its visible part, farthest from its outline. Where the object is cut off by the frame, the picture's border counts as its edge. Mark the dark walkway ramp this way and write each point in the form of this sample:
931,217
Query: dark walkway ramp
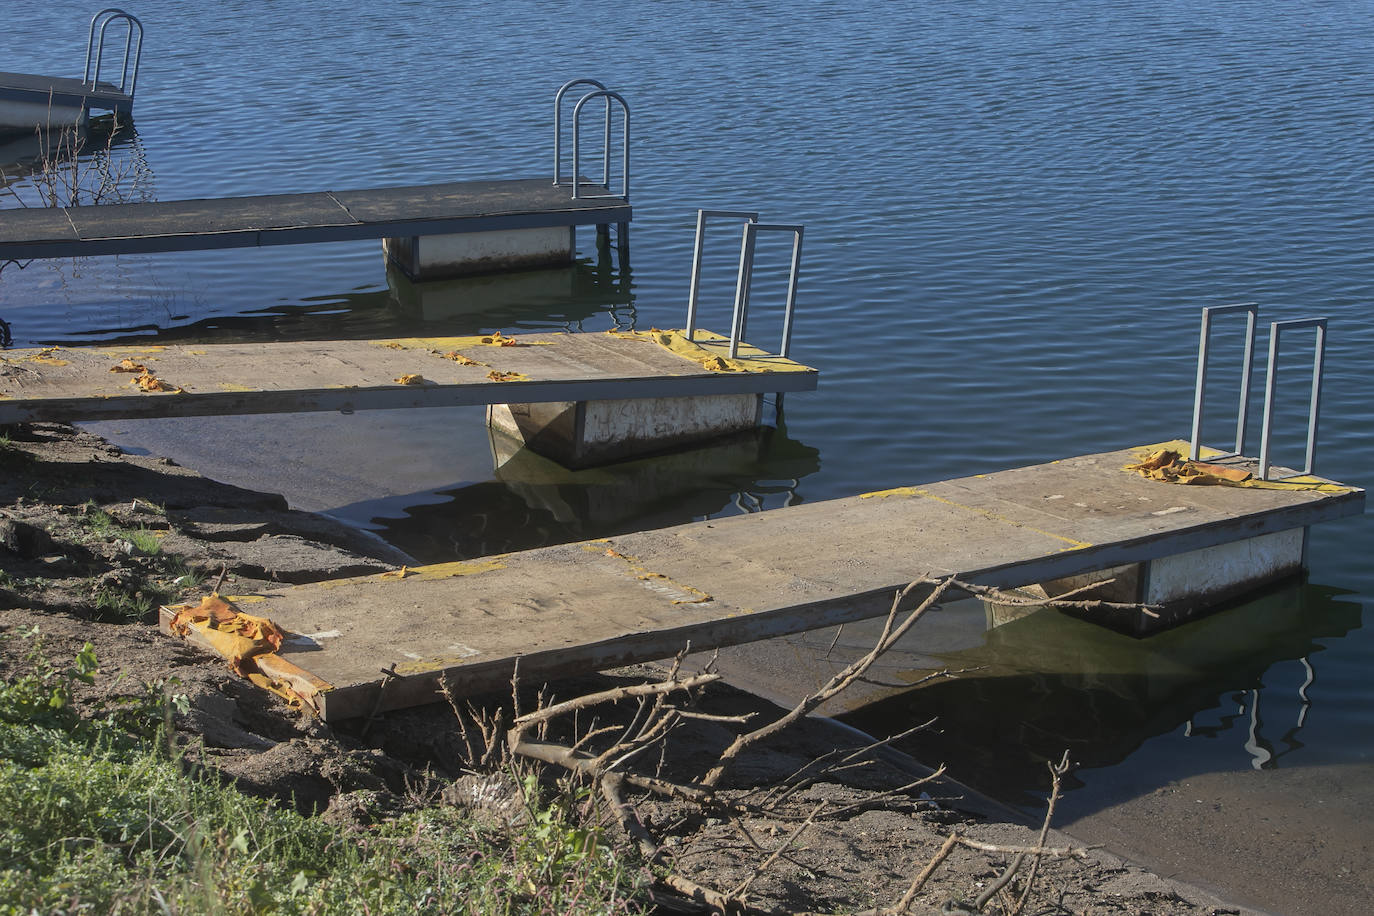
290,219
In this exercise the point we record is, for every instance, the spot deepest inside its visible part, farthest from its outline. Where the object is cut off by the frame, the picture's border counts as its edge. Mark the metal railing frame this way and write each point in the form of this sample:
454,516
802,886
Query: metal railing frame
95,48
746,276
695,288
608,95
1204,345
1271,383
558,132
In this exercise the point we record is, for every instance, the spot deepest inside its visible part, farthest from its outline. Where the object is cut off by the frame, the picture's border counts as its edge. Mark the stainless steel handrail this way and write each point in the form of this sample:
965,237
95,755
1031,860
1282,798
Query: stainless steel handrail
1252,312
695,287
558,132
1271,383
608,95
95,49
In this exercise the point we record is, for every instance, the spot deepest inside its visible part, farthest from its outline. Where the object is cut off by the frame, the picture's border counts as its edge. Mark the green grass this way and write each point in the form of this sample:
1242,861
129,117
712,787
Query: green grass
103,526
160,585
115,605
102,819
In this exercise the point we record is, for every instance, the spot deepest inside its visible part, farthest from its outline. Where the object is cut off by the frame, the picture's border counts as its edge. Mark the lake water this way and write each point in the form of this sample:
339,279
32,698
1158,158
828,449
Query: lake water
1014,213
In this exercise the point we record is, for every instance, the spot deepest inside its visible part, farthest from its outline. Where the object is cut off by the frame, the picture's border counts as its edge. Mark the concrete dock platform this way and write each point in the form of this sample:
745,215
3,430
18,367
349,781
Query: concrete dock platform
95,383
28,100
401,213
357,646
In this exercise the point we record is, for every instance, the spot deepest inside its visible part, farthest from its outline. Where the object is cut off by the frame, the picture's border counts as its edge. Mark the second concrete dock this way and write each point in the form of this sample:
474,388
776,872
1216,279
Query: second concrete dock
357,646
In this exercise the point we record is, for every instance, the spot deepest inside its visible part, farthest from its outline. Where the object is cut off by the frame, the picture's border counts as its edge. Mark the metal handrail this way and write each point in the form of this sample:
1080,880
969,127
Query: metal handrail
746,275
558,132
695,287
95,50
1252,311
608,95
1271,383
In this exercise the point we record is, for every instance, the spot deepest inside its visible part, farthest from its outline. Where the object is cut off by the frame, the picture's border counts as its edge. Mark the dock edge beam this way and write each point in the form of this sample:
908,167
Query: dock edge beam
1182,587
464,254
581,434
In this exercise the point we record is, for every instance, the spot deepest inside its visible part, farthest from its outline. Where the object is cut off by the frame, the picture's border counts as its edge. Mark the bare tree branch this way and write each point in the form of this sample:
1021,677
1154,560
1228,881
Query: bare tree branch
891,633
1057,772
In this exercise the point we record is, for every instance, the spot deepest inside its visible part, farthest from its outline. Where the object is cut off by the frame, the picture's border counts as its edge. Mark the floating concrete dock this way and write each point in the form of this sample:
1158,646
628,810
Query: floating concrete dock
358,646
30,101
525,223
102,383
430,232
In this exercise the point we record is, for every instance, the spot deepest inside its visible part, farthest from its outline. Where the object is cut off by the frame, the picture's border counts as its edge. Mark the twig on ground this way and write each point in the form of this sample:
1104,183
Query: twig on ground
920,881
742,888
1057,772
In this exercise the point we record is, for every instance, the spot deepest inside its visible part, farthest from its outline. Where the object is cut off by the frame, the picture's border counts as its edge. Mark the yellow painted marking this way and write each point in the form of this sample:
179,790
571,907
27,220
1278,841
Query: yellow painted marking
234,386
883,494
420,573
433,663
1074,544
132,351
650,578
455,569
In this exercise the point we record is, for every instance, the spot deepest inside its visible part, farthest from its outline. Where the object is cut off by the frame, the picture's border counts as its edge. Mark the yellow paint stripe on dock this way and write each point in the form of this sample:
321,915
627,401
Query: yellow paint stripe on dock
428,573
712,351
1074,544
677,592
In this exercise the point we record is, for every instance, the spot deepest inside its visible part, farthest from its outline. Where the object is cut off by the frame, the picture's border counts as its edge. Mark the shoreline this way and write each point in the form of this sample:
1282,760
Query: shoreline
81,456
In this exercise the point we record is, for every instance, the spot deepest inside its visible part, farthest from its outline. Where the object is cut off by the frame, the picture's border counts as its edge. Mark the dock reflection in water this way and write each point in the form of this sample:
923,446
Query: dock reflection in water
535,502
587,295
1048,682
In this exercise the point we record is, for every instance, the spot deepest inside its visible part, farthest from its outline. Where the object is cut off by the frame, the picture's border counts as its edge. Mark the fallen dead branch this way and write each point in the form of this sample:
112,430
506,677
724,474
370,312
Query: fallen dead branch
892,631
605,756
1065,601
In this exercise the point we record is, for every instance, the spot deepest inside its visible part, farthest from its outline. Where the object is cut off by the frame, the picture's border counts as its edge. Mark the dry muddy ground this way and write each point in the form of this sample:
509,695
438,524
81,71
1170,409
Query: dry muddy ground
92,540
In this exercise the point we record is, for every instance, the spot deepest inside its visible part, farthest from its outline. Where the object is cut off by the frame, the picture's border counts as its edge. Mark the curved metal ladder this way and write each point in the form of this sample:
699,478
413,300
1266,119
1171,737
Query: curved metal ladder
599,90
609,96
558,132
95,49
